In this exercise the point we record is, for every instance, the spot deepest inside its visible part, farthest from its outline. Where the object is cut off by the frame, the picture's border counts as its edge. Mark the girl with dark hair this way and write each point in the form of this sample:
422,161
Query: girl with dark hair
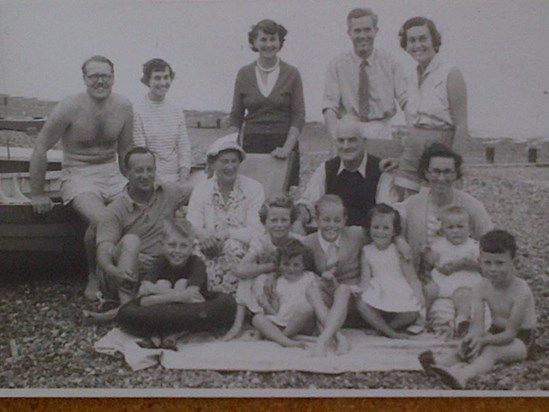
160,125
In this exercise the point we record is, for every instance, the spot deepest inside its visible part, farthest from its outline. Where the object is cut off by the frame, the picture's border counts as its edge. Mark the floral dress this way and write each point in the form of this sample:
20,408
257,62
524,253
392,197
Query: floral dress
239,211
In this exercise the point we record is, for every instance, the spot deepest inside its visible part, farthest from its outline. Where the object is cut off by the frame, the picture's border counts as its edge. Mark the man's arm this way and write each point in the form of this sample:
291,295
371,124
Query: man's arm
183,151
457,99
125,140
315,189
53,130
331,100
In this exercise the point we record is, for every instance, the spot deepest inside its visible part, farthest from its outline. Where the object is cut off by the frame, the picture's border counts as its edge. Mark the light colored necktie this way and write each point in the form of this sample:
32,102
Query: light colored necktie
363,102
332,256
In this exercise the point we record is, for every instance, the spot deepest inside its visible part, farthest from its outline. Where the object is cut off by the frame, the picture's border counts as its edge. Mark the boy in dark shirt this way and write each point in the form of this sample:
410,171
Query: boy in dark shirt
173,297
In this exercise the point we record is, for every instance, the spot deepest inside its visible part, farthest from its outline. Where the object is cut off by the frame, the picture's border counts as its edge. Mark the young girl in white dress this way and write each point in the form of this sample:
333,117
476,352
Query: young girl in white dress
288,312
392,294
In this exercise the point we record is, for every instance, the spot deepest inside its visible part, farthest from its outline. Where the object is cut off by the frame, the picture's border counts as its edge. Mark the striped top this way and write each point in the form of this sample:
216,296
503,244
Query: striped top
161,127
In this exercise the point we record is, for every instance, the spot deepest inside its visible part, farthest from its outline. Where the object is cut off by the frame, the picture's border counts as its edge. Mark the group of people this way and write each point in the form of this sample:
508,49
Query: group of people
176,258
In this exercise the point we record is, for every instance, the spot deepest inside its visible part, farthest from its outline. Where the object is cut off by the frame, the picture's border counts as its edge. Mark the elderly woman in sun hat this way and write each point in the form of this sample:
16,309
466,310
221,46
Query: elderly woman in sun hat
268,103
224,210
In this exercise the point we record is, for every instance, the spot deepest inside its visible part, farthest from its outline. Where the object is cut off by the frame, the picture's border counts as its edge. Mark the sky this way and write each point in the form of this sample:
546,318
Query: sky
501,47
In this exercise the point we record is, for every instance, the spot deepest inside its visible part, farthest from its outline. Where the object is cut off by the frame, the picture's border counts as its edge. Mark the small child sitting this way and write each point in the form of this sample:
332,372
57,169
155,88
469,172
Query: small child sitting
392,295
257,269
454,259
288,311
511,305
173,295
336,250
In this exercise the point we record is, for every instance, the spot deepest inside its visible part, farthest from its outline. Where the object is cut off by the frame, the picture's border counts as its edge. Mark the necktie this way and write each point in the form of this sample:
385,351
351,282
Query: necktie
331,256
363,103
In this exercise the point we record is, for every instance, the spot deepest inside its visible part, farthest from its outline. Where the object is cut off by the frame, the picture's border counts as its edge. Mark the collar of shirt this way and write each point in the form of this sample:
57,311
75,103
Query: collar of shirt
131,203
324,245
357,60
432,66
361,168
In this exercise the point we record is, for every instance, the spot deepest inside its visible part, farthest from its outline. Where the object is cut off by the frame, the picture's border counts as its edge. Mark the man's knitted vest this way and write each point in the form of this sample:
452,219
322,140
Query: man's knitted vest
358,193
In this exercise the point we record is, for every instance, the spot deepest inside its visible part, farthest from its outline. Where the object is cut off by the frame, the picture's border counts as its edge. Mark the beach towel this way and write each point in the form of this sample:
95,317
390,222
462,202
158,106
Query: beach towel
203,352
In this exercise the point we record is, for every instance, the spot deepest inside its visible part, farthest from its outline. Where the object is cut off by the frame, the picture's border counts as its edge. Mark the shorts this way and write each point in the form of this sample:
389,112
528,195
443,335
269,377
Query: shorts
103,180
413,147
527,336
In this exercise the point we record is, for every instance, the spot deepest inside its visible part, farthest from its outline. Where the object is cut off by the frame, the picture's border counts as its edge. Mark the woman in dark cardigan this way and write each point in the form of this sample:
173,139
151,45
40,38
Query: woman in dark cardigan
268,99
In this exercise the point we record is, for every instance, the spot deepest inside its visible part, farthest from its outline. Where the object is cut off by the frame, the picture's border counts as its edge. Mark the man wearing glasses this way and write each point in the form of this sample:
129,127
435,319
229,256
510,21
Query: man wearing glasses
95,128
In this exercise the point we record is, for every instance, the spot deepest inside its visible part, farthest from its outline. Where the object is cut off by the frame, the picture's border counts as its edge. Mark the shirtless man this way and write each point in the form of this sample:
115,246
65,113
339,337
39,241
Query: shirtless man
94,126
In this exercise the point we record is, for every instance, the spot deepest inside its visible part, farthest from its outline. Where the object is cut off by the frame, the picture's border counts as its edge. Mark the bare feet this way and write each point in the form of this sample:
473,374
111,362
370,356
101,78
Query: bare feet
92,288
296,344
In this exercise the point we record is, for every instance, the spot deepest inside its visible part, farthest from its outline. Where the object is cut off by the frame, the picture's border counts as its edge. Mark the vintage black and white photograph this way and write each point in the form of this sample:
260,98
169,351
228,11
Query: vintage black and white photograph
274,198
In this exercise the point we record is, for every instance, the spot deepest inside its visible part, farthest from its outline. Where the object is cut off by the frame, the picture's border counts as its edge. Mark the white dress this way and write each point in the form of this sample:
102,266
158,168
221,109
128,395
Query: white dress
388,289
262,250
292,298
447,253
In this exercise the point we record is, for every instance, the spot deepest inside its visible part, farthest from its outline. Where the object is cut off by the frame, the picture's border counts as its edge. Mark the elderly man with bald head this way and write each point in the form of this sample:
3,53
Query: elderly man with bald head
353,175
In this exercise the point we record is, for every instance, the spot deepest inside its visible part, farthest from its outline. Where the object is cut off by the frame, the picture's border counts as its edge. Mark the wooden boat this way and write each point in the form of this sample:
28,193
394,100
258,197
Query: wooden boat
61,231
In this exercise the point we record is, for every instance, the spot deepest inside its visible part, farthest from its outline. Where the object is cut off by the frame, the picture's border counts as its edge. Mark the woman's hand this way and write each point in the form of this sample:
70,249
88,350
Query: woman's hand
281,152
210,246
388,164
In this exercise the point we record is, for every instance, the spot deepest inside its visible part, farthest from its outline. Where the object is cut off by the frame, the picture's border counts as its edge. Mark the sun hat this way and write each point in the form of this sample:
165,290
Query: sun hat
228,142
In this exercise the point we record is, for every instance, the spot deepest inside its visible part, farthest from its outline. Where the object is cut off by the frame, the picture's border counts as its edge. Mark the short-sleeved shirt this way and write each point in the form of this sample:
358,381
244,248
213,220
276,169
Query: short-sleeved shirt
194,271
125,216
386,82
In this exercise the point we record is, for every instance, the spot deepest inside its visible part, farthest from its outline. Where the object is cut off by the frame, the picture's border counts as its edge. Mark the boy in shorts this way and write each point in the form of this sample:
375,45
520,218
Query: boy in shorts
511,304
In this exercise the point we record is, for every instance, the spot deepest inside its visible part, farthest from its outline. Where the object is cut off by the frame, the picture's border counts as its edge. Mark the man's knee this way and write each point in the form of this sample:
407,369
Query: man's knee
130,243
91,207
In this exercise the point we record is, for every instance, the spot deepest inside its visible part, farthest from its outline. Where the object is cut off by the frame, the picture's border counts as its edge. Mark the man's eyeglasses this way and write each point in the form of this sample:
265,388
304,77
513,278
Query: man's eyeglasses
443,172
96,77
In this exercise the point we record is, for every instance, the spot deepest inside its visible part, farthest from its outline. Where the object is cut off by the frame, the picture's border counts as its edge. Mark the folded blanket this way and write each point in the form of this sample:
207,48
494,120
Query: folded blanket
202,351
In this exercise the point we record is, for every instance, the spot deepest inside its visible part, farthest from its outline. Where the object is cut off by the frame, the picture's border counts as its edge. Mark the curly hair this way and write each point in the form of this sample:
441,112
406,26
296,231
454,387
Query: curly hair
438,150
383,209
420,21
155,65
268,27
281,201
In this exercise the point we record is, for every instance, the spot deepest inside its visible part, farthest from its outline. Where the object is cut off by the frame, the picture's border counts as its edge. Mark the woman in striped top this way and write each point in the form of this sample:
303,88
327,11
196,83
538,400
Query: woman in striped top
160,125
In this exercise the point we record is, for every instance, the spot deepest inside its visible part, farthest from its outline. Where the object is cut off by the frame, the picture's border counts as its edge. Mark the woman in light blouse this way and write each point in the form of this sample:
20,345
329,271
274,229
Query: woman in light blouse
224,211
268,101
438,112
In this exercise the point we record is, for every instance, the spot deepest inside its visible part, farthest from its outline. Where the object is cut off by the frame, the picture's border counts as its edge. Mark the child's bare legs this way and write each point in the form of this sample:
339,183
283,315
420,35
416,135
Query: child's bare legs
458,374
332,320
298,322
431,292
462,302
237,325
402,320
374,318
273,332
